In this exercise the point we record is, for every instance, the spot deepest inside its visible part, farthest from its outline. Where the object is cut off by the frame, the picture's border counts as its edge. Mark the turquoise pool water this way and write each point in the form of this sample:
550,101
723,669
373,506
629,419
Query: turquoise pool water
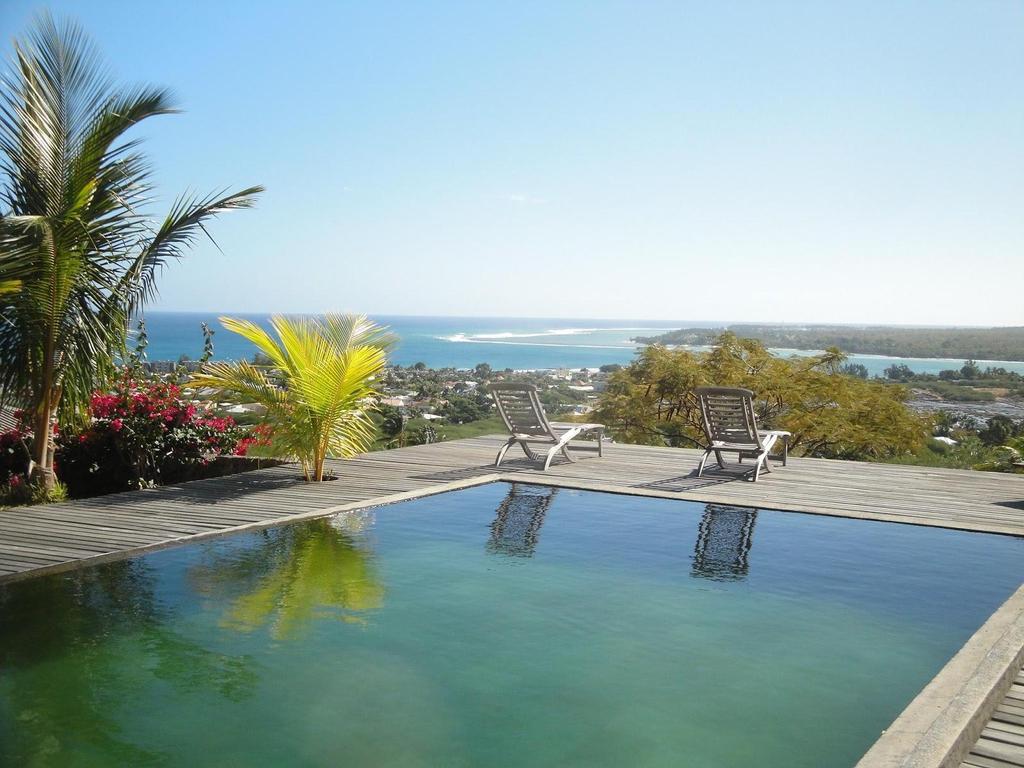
503,625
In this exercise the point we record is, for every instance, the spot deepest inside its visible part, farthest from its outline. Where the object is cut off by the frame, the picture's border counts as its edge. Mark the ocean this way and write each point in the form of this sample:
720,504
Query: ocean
501,342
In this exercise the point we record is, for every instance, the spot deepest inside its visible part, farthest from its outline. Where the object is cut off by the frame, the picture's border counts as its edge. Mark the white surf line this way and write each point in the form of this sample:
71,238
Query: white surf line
552,332
464,340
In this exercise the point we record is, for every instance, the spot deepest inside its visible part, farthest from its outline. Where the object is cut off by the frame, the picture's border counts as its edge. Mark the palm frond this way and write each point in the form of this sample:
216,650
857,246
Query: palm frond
318,389
78,253
185,223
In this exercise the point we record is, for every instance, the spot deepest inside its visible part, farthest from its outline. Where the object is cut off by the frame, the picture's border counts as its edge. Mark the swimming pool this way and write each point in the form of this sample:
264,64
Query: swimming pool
505,624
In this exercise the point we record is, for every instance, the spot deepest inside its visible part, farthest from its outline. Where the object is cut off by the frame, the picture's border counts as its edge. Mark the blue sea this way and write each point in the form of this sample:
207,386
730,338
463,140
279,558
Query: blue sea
502,342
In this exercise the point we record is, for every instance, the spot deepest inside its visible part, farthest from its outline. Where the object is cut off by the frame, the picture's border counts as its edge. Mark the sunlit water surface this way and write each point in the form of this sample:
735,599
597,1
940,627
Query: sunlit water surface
504,625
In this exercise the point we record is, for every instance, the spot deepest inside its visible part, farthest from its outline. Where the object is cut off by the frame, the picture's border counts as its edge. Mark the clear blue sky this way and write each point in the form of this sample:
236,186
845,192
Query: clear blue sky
777,161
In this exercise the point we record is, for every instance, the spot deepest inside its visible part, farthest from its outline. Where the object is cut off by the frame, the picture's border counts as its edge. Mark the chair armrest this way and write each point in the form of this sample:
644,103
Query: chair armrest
575,425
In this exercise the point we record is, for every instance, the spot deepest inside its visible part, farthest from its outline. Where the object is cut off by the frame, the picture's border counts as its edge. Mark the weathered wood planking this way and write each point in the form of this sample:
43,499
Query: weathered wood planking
1002,742
37,539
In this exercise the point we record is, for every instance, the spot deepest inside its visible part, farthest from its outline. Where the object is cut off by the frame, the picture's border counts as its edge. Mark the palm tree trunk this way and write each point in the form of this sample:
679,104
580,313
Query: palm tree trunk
42,447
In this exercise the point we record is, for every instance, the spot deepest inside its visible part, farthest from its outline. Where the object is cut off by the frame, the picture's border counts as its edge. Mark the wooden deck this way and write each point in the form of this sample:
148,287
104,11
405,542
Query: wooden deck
1002,742
45,538
36,540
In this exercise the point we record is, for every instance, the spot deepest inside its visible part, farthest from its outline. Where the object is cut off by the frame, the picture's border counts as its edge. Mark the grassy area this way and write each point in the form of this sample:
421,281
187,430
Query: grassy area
490,426
959,392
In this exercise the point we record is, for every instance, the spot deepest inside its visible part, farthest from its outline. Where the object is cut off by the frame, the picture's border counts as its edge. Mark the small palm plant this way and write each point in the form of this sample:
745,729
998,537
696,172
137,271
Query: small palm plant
317,388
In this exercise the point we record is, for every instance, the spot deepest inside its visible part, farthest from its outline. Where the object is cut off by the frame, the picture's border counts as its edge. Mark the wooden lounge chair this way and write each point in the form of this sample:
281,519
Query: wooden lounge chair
731,427
521,410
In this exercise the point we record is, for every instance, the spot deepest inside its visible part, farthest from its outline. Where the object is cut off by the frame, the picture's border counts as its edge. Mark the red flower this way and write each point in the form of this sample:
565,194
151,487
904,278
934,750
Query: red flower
116,425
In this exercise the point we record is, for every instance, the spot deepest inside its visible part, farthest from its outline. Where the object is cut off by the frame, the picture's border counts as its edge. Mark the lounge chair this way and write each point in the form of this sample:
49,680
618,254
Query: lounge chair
731,427
521,410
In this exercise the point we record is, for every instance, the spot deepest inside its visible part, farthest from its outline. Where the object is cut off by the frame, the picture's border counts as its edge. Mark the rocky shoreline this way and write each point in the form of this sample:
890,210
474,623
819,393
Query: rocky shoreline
979,412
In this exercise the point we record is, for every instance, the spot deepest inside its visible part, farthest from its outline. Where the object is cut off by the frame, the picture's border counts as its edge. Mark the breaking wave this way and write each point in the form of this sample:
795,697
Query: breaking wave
533,338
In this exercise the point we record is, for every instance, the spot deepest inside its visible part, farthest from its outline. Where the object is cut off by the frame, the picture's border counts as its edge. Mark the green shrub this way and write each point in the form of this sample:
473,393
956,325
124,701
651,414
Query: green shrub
16,491
142,433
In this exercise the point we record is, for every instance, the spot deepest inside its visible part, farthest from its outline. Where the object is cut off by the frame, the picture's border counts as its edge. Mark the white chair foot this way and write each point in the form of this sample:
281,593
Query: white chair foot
703,461
502,452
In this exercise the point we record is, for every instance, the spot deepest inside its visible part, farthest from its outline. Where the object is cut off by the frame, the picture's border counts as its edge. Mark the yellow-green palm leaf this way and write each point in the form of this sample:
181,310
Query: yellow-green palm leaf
318,387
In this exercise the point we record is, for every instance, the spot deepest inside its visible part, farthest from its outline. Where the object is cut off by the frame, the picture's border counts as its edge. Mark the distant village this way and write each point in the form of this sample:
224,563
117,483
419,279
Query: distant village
418,404
457,395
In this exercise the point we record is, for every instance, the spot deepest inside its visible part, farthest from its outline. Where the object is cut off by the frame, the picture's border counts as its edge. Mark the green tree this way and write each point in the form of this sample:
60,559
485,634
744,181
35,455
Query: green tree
76,241
322,373
461,409
392,420
970,370
899,372
831,415
858,370
998,430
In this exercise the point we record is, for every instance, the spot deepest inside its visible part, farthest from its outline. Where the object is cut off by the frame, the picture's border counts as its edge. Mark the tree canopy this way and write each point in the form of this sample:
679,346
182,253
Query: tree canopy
78,253
830,414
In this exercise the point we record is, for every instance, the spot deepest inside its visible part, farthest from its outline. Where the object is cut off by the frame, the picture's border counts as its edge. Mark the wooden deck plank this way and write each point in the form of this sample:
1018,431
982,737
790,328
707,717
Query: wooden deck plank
920,495
1002,741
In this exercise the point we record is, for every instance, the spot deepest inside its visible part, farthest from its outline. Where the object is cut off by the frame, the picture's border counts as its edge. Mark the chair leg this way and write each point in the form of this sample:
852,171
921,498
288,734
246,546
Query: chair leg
718,458
703,461
758,465
600,443
503,451
561,445
785,450
550,456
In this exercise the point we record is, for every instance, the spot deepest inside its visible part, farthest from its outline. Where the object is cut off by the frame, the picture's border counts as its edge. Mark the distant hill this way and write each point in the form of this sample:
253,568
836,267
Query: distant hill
959,343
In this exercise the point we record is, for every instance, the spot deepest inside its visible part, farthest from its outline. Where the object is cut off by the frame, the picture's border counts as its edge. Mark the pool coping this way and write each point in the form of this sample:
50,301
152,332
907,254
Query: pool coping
939,727
936,730
273,522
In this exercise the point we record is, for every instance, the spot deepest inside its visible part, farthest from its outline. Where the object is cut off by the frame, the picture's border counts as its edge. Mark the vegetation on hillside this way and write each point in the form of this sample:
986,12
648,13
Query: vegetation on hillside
959,343
830,414
969,383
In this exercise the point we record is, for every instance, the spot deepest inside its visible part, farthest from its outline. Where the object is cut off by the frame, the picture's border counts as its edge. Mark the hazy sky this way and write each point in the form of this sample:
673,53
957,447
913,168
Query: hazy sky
799,161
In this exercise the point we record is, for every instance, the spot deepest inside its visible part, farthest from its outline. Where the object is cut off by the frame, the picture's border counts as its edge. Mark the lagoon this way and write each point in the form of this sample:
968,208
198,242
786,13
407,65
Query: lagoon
502,342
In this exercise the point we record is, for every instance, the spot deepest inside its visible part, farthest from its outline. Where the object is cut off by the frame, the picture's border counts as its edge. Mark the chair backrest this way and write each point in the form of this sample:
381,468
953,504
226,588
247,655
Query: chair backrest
728,415
520,408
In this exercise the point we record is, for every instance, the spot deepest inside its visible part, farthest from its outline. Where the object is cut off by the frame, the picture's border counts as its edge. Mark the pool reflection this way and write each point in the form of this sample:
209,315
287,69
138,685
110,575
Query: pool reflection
723,544
518,519
321,569
97,636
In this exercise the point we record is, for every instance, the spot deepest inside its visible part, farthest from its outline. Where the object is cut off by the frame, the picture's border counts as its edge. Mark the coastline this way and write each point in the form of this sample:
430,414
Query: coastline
522,344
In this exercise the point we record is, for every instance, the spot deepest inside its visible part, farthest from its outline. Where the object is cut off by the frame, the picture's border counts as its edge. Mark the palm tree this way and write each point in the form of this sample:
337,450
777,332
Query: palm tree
317,388
78,255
